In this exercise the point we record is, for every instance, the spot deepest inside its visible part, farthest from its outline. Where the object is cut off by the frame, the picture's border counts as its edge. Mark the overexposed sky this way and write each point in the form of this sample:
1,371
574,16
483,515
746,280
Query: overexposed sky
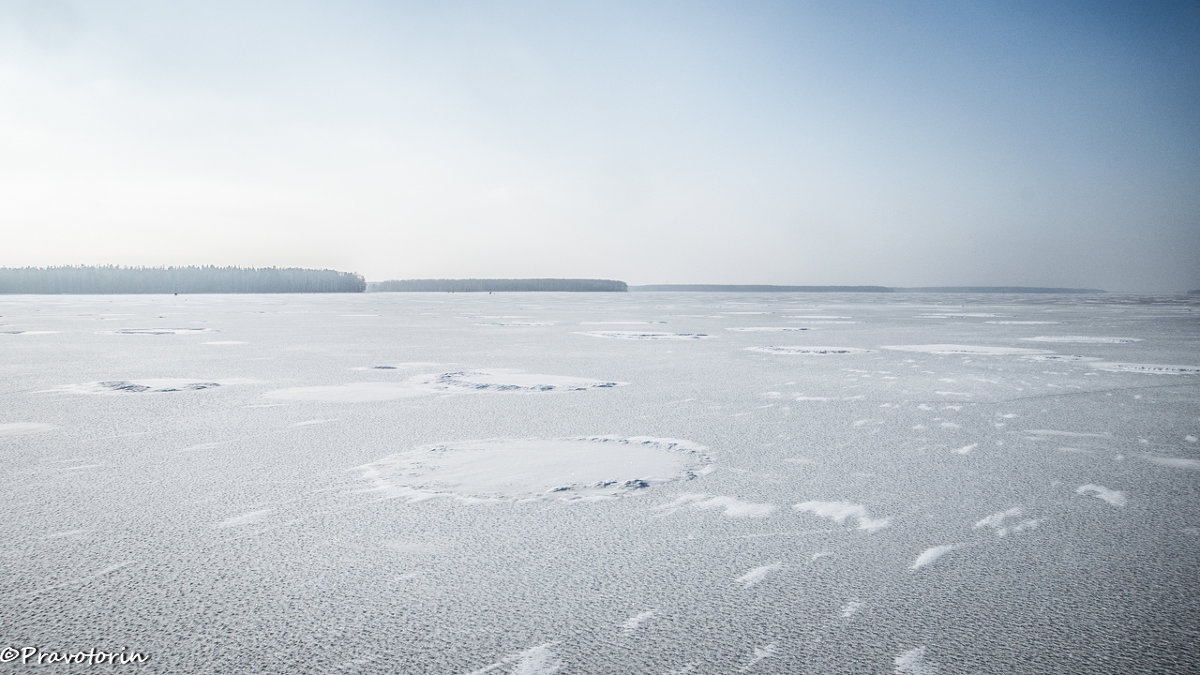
894,143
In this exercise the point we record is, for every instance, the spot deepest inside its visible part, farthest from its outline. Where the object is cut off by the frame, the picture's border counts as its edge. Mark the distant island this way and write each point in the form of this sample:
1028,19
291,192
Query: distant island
743,288
109,279
758,288
497,285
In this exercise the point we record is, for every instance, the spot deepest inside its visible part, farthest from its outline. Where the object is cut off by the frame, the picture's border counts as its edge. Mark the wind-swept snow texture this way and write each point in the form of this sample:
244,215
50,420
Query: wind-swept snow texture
704,483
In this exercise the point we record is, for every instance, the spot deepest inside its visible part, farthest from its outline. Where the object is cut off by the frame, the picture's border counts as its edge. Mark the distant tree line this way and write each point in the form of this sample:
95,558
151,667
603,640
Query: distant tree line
480,285
758,288
191,279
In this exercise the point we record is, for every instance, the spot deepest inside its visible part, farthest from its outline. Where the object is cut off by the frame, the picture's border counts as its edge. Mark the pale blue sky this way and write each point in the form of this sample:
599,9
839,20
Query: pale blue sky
894,143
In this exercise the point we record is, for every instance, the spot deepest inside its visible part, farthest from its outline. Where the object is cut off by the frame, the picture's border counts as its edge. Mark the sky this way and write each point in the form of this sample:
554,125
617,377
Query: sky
827,142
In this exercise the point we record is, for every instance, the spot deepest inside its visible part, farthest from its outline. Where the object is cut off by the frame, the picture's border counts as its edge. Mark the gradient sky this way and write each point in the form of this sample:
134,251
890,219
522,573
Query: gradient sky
838,142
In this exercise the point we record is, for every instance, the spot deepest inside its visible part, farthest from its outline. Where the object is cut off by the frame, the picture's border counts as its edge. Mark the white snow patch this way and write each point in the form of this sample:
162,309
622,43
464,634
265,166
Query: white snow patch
632,623
1114,497
756,575
644,335
966,449
912,662
354,392
965,350
537,660
807,351
152,385
731,507
760,653
851,608
245,519
931,555
767,329
1174,462
995,522
1149,368
1084,339
565,469
224,342
1071,434
22,428
839,512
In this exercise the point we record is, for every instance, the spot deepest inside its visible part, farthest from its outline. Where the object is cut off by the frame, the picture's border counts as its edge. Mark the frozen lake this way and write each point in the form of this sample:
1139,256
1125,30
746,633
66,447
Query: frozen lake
602,483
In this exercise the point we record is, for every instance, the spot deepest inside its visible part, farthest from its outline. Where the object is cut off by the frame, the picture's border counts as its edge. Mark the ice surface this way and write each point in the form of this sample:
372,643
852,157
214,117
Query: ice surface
407,492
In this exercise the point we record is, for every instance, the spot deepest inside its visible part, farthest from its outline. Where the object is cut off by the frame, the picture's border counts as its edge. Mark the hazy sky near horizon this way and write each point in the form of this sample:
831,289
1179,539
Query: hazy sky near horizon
894,143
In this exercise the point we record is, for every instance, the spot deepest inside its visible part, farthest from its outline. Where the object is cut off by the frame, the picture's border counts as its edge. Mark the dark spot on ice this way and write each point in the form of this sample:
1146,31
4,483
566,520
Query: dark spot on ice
384,367
124,386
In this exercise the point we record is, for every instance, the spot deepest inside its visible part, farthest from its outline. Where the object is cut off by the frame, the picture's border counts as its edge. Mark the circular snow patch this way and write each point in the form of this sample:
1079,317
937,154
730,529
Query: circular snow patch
644,335
509,381
567,469
1151,368
149,385
1067,358
766,329
1084,339
817,351
158,331
966,350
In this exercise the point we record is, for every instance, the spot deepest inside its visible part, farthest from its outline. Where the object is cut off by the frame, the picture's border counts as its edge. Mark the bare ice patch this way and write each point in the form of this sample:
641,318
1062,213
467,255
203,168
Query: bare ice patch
1114,497
1151,368
566,469
807,351
966,350
644,335
22,428
840,512
730,506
